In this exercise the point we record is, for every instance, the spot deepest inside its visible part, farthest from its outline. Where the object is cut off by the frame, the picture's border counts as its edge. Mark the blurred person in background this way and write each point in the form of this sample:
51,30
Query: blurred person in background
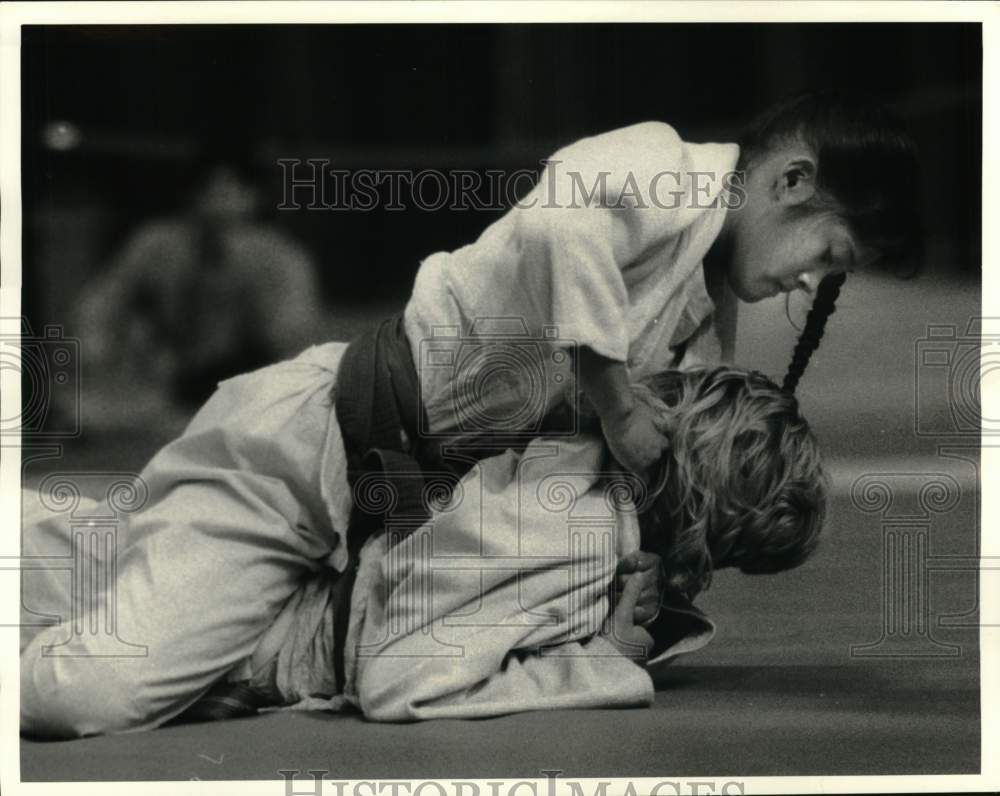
192,300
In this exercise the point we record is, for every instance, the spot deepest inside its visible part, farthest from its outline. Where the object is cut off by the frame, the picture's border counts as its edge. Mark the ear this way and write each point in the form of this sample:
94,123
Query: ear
796,182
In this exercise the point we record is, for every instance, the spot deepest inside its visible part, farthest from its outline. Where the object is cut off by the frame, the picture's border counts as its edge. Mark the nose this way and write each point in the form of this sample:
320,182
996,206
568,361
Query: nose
808,281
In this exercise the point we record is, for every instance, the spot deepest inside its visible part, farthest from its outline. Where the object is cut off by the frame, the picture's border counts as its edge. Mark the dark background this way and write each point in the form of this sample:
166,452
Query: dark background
153,104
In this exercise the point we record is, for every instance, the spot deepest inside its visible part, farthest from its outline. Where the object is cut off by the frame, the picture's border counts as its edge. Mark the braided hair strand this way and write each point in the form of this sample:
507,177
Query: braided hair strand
824,305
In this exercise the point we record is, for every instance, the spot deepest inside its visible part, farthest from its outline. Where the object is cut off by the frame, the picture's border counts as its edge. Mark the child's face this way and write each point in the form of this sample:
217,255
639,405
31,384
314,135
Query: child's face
779,242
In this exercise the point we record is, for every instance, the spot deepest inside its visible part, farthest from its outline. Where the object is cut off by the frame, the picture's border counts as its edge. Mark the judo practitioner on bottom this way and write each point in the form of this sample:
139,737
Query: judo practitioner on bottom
502,601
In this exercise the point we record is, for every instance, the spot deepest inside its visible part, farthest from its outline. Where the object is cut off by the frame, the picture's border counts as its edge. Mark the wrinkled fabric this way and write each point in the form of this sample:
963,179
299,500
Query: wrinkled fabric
606,268
304,658
497,604
231,570
252,500
247,505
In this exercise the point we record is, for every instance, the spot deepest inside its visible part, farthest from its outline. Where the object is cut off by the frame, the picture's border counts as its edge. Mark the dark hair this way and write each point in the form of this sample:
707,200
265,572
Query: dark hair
867,168
742,484
823,307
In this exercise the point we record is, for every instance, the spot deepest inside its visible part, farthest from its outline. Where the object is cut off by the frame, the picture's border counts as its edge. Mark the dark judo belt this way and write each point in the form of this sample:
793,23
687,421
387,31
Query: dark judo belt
377,402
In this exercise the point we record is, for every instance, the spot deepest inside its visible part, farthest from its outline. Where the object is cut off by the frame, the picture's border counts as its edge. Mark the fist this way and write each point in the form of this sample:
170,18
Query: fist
636,439
646,570
631,640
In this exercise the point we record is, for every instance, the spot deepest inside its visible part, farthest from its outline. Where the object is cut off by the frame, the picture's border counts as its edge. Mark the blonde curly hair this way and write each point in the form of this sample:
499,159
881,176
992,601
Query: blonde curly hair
743,484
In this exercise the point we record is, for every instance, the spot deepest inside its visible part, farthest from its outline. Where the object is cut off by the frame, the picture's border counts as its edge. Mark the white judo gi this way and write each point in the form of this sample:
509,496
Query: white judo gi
497,604
251,502
605,252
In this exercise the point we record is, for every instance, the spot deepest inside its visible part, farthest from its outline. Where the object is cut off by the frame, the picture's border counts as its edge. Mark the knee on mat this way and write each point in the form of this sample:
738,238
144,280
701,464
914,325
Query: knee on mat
70,697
